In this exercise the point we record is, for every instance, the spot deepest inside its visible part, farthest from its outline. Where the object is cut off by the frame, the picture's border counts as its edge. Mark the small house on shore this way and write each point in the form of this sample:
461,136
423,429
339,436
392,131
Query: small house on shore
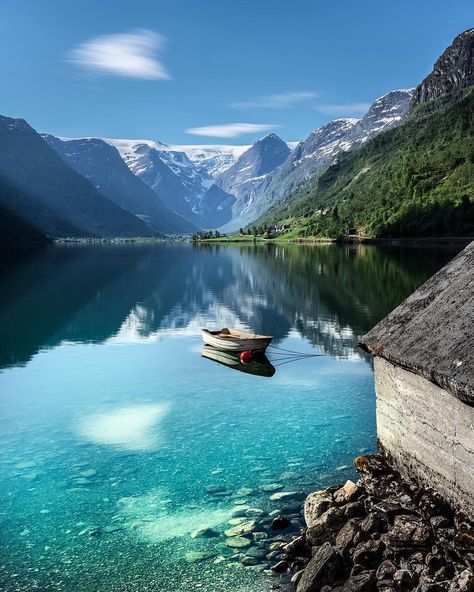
424,381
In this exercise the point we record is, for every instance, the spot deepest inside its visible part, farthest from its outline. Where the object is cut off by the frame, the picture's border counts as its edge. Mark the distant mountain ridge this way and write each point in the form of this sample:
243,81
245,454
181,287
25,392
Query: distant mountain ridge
181,175
316,152
416,179
101,164
38,188
363,171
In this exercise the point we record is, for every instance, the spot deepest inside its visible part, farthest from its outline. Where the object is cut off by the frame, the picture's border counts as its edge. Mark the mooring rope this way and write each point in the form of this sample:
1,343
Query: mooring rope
291,352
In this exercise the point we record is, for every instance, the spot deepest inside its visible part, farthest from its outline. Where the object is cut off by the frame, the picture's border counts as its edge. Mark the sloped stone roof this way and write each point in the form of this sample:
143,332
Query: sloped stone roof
432,332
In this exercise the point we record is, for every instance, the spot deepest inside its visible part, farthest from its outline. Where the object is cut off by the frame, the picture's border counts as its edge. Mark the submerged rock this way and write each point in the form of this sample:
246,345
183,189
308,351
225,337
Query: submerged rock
241,529
213,489
204,533
248,561
245,491
280,523
112,528
224,550
283,495
257,552
234,521
280,567
27,464
269,487
195,556
238,542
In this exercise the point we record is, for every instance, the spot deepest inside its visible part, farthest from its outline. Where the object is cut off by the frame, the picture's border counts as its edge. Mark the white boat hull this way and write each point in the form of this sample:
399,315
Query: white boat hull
236,344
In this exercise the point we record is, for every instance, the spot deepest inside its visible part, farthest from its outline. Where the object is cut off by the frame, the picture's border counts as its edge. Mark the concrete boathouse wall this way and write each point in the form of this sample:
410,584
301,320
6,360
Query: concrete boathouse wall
424,378
426,433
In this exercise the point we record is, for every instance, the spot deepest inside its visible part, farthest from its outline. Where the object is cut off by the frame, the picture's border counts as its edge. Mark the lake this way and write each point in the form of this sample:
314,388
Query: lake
119,439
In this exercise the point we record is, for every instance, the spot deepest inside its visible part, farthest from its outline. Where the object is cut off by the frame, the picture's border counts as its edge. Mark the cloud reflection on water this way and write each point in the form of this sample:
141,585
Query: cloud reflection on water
135,427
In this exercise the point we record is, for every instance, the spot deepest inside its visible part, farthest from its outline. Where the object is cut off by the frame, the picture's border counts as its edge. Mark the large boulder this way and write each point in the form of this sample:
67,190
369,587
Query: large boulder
323,569
363,582
369,554
326,527
316,504
348,537
349,492
407,533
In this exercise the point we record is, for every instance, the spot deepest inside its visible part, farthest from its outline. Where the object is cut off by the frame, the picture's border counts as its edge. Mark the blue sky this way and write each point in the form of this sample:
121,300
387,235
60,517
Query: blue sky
212,71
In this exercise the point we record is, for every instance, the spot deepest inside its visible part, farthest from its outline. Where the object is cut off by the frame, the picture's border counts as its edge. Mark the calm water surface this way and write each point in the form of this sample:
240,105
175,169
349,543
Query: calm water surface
118,439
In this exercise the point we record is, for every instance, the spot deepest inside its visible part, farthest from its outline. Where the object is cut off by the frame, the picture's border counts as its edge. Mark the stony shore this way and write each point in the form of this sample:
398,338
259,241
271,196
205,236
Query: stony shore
381,534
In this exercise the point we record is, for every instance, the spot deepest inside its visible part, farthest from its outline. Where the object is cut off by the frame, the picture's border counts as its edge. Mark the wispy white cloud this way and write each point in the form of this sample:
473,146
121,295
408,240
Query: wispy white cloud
132,54
277,101
231,130
347,109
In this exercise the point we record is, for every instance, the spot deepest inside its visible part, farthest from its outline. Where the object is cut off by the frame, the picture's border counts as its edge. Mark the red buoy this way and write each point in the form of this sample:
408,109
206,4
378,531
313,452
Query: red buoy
246,357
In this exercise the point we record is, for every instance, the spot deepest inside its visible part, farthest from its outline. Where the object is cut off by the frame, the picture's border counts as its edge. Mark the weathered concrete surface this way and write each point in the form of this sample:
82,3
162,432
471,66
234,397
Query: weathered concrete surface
431,333
426,433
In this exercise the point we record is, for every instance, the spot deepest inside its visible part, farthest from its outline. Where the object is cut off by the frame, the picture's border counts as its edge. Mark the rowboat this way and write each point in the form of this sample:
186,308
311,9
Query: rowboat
231,340
259,366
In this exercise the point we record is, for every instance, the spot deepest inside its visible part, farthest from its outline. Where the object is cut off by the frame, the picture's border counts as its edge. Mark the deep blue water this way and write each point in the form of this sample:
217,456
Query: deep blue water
112,424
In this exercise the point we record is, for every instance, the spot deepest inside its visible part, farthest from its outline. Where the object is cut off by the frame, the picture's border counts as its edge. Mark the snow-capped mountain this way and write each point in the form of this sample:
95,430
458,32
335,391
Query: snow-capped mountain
316,152
213,159
41,195
254,165
181,175
101,164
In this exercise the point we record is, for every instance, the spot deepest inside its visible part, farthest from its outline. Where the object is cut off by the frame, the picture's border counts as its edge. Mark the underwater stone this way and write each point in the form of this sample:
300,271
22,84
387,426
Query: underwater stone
234,521
213,489
241,529
238,542
204,533
224,550
195,556
269,487
280,523
89,473
95,532
283,495
254,512
239,511
256,552
112,528
245,491
248,561
26,464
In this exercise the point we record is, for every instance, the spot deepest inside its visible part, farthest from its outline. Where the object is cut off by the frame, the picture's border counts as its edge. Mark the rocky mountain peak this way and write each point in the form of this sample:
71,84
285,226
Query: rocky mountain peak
385,112
452,72
260,159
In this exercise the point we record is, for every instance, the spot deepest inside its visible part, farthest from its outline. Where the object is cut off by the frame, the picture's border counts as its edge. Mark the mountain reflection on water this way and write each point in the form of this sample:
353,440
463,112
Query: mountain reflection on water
328,294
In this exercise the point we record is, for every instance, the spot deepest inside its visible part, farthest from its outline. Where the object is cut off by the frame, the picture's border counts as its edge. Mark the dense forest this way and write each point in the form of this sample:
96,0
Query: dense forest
414,180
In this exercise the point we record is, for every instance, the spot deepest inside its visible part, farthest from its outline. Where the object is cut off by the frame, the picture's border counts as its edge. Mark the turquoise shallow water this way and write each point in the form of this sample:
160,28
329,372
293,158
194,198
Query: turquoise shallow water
118,439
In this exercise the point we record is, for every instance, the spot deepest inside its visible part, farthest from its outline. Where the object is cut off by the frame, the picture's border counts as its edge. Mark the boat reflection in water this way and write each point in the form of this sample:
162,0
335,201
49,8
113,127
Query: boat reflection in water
259,366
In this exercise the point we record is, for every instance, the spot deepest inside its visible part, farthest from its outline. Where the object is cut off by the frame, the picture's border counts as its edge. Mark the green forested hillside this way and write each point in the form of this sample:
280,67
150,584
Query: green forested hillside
414,180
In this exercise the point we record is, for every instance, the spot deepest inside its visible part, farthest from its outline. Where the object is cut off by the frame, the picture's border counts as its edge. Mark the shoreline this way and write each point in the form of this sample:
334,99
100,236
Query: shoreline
346,240
381,534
